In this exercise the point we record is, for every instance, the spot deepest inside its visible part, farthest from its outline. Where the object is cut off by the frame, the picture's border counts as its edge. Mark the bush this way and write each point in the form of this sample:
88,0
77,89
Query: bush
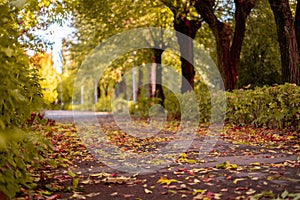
18,151
175,104
274,107
142,106
20,94
104,105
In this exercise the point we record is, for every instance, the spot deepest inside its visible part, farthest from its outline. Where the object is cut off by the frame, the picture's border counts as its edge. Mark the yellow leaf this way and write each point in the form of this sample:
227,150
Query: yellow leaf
237,180
164,180
87,181
191,161
217,196
255,164
250,191
197,181
290,137
226,165
183,155
147,191
196,191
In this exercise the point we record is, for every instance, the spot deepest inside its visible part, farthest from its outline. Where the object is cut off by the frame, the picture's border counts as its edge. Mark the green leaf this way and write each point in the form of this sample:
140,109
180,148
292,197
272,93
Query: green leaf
75,182
284,194
2,125
72,174
8,51
18,95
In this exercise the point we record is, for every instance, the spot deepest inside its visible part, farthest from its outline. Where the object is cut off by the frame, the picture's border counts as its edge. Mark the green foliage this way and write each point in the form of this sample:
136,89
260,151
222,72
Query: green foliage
20,89
260,57
103,105
274,107
20,95
181,106
65,91
18,150
172,104
142,106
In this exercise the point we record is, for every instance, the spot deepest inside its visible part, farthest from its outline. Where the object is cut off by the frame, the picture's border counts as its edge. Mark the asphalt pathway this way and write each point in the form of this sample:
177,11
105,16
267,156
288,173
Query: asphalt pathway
210,161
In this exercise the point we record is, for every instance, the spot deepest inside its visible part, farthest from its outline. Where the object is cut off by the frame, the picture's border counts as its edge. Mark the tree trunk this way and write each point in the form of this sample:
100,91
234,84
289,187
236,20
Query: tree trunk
140,82
228,56
297,25
226,65
158,75
297,30
189,28
152,77
287,40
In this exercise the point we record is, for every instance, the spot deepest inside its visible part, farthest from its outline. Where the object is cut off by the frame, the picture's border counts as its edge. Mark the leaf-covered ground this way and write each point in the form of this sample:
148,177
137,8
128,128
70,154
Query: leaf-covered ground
245,163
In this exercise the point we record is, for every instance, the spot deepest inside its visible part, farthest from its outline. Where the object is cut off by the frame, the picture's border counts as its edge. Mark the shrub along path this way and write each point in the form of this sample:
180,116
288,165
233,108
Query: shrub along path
245,163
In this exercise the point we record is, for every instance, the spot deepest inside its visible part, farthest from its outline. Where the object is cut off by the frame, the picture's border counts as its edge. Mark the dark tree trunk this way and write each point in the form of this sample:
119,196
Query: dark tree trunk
297,25
158,75
297,30
228,56
287,40
140,82
151,77
189,28
105,89
122,89
98,92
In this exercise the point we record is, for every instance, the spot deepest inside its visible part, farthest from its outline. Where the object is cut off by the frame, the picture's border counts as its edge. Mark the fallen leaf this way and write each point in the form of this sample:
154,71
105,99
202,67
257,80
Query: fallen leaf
255,163
197,191
53,197
226,165
114,194
217,196
238,179
147,191
164,180
76,195
127,196
93,194
250,191
197,181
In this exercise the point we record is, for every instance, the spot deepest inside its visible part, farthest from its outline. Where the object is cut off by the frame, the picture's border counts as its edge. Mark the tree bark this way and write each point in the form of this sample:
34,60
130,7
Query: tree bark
158,76
297,30
287,40
228,56
297,25
189,28
140,82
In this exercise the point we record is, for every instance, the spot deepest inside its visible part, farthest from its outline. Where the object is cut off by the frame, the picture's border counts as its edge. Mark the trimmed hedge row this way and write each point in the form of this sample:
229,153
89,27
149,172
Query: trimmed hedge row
272,107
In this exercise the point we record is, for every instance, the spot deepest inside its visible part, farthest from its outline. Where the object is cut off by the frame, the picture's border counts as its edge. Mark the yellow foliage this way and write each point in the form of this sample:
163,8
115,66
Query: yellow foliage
49,77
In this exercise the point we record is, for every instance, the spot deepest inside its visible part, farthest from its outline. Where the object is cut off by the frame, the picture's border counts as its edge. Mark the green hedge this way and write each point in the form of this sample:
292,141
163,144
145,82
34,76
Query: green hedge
273,107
